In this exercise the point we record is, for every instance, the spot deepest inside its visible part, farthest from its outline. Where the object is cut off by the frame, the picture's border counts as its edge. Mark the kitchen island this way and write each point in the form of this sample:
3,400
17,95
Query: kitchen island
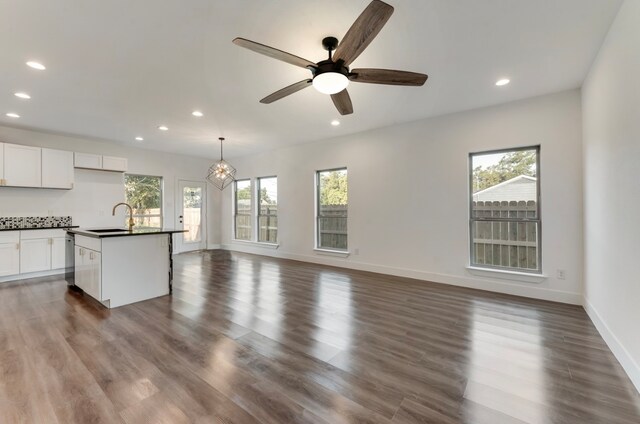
119,266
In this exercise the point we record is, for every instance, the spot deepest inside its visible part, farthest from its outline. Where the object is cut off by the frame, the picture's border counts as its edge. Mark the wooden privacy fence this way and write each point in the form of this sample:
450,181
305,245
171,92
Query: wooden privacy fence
267,223
506,241
332,227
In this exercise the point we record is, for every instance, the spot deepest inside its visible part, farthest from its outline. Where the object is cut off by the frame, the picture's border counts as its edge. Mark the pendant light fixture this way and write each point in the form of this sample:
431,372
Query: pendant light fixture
221,173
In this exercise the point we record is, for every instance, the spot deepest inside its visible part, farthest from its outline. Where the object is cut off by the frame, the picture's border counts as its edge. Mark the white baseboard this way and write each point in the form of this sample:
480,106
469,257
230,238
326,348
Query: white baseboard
211,246
31,275
630,366
490,284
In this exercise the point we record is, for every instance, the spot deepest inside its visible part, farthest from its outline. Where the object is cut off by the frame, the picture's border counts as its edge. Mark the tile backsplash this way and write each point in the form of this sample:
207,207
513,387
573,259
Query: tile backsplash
18,222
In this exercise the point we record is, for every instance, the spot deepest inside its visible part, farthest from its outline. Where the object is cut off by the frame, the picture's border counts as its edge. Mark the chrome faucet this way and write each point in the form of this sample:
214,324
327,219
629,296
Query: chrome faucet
131,223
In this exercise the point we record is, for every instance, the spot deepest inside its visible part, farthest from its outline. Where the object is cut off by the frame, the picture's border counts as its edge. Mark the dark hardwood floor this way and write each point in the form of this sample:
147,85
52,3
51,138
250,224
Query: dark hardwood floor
250,339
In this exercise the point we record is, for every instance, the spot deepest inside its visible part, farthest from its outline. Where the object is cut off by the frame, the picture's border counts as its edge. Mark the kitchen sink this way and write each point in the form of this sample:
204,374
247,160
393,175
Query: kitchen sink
108,230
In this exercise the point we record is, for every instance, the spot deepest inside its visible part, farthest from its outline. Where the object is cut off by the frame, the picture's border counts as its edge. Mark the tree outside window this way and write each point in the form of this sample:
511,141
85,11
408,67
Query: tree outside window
144,194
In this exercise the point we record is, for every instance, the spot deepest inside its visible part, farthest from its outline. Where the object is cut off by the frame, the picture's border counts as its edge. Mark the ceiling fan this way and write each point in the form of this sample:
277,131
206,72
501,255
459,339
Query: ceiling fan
332,76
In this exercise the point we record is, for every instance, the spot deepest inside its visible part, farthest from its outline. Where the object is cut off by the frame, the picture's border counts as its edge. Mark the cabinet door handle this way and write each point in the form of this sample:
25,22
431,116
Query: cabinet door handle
50,241
17,246
91,255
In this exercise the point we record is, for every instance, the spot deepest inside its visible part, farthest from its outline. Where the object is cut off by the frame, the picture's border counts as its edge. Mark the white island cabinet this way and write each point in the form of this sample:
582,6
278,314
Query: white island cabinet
121,267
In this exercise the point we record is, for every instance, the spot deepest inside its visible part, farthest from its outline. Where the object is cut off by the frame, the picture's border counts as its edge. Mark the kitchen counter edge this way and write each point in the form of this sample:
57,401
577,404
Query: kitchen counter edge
81,232
41,228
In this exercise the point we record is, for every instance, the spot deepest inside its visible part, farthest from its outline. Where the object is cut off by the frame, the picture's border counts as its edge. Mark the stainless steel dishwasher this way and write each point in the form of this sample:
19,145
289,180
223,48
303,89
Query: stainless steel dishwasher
69,259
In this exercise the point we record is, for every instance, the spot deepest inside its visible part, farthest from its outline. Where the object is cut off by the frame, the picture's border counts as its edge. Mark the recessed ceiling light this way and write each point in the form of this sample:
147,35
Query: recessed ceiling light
335,122
502,82
163,128
13,115
197,113
22,95
139,139
36,65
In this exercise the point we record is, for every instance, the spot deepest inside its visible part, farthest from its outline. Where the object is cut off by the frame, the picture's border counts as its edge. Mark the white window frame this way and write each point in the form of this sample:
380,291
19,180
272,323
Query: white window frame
258,209
537,220
317,246
235,208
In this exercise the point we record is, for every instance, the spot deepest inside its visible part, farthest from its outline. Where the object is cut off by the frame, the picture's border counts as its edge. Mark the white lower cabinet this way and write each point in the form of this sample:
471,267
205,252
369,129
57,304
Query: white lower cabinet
41,250
9,253
88,269
35,255
58,246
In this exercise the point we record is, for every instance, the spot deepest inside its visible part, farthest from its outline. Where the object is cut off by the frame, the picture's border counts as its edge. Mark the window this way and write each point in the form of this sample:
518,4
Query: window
331,211
505,219
242,215
144,194
268,209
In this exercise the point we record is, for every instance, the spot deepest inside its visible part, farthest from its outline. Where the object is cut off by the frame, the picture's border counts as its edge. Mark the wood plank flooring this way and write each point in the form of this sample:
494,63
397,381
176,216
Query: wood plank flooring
251,339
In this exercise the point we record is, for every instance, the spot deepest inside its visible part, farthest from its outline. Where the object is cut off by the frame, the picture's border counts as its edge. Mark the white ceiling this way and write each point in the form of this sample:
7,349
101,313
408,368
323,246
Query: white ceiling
119,68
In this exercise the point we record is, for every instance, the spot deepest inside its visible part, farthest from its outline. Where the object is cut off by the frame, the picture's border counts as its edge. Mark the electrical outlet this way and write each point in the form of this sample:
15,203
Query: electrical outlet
561,274
356,251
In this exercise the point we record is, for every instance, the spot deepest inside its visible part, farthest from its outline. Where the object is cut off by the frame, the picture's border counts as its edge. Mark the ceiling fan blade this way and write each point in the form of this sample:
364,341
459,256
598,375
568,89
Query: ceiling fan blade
286,91
342,101
273,52
387,76
363,31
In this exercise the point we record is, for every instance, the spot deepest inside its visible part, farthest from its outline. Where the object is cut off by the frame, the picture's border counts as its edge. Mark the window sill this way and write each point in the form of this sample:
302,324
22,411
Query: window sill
328,252
507,275
258,244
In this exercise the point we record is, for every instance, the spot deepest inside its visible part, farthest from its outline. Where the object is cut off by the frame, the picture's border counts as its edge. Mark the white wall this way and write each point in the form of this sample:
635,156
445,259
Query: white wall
424,165
96,192
611,106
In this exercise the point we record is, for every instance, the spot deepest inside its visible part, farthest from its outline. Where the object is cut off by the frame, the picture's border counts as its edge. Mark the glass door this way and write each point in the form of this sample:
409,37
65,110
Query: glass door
191,216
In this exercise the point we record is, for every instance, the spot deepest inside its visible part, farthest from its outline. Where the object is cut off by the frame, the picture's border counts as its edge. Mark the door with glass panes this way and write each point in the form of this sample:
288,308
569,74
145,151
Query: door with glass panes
191,216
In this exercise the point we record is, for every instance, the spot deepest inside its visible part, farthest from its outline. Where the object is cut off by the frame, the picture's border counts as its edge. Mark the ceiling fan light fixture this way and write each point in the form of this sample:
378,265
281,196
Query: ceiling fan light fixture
330,82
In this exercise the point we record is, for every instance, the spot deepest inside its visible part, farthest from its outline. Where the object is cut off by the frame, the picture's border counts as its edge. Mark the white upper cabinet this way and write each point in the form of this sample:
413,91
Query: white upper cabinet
111,163
88,161
2,164
22,166
57,169
104,163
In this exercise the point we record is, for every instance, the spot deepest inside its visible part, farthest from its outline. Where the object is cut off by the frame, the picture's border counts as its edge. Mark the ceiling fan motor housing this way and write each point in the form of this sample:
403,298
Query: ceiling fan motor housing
330,66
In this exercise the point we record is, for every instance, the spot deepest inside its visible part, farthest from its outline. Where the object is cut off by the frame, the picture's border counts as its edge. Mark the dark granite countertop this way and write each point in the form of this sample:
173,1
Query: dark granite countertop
66,227
122,232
